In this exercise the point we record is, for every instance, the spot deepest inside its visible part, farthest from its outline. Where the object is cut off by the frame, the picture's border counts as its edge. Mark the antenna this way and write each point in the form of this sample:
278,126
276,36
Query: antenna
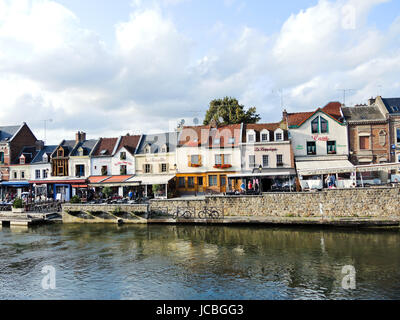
281,95
45,122
344,94
380,90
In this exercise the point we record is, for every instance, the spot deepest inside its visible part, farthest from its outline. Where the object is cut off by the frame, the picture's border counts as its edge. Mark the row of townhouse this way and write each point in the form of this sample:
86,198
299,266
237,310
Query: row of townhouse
343,144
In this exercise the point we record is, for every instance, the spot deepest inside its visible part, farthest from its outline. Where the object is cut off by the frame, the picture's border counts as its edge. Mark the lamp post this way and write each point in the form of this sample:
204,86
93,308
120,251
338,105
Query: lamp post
259,180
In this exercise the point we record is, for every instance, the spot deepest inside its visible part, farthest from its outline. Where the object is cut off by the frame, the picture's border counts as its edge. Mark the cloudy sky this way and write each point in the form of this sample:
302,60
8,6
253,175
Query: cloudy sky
113,67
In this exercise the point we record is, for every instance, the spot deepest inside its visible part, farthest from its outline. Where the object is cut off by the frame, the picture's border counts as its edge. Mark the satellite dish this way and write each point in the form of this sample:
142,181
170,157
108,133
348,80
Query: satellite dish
196,121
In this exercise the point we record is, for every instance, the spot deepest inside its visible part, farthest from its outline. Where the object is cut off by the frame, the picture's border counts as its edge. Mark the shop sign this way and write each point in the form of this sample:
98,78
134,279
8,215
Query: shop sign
266,149
300,147
123,163
155,159
318,138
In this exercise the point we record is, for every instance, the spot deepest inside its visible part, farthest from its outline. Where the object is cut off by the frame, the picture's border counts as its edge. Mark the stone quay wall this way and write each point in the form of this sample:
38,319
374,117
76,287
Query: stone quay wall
360,202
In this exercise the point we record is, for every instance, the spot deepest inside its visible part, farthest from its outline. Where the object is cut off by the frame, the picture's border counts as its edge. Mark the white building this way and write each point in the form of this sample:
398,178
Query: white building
320,145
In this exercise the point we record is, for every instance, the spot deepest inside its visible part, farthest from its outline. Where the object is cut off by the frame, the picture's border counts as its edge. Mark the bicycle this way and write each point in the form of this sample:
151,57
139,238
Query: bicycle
208,213
187,214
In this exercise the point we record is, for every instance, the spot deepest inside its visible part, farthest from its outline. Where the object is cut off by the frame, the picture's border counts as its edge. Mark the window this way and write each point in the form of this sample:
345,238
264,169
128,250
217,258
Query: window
315,125
278,137
164,149
44,174
163,167
217,141
227,159
37,174
252,161
231,141
45,158
190,182
1,157
200,181
398,135
364,143
80,170
60,169
324,125
22,160
181,182
80,151
331,146
382,138
311,148
15,175
147,168
104,170
265,160
250,138
195,159
122,169
147,149
264,137
60,153
218,159
23,175
212,181
122,156
279,160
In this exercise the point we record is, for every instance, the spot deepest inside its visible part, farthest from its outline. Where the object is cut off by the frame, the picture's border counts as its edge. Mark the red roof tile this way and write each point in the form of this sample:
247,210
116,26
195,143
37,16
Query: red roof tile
298,118
106,144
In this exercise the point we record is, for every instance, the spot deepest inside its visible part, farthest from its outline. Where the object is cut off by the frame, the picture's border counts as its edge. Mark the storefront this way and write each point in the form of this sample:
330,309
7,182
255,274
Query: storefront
159,186
324,174
60,190
14,188
119,185
263,180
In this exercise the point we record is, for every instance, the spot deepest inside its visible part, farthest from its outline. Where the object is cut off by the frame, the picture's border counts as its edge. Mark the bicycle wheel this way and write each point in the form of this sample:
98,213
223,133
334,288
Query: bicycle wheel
187,214
202,214
214,214
175,214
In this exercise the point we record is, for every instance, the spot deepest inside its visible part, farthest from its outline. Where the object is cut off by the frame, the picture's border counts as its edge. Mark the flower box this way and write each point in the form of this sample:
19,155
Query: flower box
218,166
193,165
226,166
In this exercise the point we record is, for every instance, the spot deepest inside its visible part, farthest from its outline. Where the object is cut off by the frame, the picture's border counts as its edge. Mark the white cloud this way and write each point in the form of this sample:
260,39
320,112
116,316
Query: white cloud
52,67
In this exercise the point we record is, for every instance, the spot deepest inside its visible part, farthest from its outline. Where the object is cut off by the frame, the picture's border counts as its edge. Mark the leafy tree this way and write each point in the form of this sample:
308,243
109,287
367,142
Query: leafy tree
107,191
229,111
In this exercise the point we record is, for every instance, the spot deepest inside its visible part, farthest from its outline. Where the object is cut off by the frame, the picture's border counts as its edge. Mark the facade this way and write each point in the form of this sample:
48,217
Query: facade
101,159
13,140
320,146
206,155
266,157
156,164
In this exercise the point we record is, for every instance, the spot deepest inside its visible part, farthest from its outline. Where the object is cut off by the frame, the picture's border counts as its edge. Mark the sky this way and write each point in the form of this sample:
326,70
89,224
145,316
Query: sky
139,66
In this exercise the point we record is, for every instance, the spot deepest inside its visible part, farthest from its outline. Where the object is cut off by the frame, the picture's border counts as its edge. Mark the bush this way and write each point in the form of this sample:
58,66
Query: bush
157,187
18,203
107,191
75,199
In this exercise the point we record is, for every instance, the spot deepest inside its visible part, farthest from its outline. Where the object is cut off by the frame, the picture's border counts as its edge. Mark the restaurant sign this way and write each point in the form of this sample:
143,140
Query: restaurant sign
318,138
266,149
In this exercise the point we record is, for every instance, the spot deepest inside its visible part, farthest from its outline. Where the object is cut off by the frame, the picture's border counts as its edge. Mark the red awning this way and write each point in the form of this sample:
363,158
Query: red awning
117,179
79,186
98,179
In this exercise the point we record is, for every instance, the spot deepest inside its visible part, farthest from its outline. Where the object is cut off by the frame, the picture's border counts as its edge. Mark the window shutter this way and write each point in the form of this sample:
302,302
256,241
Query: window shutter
144,168
200,160
167,165
160,167
189,161
151,168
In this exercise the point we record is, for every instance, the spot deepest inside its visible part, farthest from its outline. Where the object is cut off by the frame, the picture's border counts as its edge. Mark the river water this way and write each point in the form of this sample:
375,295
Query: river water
197,262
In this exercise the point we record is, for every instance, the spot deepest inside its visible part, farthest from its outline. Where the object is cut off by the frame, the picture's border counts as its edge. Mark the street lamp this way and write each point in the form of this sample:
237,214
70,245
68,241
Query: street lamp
260,168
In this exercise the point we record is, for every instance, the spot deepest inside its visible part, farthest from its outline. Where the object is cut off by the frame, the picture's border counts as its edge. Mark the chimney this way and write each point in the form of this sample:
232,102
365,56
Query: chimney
371,101
284,114
80,137
39,145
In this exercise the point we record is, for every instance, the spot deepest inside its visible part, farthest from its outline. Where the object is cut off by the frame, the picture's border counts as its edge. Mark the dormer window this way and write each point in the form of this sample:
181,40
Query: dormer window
319,125
264,135
45,158
22,160
251,136
164,149
122,156
279,135
80,151
60,152
147,149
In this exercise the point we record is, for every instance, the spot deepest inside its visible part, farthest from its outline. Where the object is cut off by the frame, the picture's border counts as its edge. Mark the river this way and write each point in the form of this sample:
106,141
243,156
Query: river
197,262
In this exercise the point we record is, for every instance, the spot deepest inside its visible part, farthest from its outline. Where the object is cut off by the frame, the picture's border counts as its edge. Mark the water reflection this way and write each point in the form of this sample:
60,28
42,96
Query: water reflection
198,262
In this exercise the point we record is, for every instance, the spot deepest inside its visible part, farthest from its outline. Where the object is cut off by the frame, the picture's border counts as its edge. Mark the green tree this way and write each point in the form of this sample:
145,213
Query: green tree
229,111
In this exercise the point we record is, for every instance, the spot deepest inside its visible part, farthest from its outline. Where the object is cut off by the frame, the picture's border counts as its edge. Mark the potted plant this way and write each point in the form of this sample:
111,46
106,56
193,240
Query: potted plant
158,189
107,192
226,166
75,199
18,206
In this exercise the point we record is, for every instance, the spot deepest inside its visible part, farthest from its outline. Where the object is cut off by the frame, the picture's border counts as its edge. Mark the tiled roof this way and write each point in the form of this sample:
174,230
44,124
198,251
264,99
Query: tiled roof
29,154
332,109
87,146
68,146
7,132
105,147
196,136
392,104
364,113
130,143
258,127
114,179
39,156
157,141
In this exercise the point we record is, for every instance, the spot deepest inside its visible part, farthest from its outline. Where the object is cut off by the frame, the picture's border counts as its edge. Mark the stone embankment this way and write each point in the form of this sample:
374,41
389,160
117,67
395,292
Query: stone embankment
375,204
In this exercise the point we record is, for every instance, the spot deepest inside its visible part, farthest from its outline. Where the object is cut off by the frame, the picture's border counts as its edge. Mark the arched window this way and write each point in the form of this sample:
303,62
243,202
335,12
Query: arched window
315,125
324,125
382,138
